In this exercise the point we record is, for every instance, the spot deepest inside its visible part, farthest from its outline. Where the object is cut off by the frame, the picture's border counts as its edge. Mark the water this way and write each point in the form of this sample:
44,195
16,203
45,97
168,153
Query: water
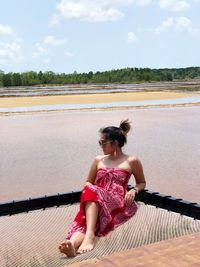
49,153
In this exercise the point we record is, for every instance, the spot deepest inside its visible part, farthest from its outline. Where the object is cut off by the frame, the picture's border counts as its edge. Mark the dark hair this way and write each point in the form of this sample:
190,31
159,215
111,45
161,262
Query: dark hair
117,133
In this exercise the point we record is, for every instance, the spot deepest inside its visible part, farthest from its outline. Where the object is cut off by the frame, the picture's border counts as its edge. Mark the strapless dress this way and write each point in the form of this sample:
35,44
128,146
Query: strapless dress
108,191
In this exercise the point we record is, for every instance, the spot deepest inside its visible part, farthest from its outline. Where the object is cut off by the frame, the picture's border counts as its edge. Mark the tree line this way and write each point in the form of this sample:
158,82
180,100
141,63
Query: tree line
125,75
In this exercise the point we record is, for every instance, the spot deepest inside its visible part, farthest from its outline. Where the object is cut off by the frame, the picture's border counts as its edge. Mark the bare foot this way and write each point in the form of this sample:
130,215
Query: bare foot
87,245
67,248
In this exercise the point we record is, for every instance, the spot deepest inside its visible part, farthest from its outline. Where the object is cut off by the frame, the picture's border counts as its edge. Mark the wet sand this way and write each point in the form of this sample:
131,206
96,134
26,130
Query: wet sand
10,102
49,153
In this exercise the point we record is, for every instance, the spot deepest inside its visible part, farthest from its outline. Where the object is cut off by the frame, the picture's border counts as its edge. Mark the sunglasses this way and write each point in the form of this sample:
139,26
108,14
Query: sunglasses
103,143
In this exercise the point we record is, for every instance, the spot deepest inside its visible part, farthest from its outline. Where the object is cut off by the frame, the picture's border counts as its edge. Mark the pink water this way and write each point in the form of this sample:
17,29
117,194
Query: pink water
49,153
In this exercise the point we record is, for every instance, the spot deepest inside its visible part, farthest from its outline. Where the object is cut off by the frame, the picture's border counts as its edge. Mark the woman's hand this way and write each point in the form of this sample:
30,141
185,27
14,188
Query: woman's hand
129,197
87,184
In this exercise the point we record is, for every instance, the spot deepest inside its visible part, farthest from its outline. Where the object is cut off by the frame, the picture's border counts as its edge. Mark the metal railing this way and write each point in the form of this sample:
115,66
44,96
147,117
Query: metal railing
170,203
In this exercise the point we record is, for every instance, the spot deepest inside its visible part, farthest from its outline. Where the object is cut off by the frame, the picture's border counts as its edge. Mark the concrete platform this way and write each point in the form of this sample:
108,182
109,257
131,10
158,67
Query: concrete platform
178,252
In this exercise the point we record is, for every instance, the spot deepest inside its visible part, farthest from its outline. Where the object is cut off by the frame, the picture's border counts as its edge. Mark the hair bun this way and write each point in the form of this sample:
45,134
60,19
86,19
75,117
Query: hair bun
125,126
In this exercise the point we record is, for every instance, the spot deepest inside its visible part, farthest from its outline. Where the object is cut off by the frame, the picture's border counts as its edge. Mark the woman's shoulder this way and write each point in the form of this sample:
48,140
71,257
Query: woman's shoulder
134,161
98,158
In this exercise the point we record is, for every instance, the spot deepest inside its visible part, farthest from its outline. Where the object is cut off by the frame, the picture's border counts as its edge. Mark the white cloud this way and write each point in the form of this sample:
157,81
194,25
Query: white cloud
10,52
174,5
48,48
166,24
183,24
93,10
132,37
11,48
178,24
51,40
44,48
89,10
5,29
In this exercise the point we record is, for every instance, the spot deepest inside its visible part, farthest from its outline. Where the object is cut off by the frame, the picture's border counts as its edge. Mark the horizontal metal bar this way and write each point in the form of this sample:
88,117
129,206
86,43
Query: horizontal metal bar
148,197
170,203
27,205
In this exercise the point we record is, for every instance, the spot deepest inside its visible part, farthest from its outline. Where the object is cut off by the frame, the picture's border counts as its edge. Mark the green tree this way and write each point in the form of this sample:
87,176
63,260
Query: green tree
7,79
16,79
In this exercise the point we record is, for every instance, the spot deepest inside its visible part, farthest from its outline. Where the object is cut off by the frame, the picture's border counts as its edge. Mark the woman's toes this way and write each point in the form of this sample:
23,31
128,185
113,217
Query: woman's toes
83,251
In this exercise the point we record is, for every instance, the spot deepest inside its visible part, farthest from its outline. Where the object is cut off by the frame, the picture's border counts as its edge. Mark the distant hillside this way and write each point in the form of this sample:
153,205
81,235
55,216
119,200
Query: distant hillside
125,75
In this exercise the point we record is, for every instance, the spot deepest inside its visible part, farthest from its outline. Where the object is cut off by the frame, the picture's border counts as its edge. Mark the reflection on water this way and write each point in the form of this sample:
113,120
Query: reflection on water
185,100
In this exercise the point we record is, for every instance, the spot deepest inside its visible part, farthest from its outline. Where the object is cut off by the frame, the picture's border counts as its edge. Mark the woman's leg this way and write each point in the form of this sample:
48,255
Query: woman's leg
91,213
70,246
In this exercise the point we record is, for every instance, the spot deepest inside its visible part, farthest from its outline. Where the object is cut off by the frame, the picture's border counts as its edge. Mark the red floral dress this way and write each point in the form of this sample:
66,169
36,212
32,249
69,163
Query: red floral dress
109,191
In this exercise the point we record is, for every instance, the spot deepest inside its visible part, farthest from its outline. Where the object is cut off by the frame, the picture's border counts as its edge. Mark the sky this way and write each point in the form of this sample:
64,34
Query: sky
64,36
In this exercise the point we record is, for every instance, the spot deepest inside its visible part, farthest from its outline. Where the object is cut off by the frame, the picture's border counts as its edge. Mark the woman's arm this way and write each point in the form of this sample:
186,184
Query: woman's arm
93,171
138,173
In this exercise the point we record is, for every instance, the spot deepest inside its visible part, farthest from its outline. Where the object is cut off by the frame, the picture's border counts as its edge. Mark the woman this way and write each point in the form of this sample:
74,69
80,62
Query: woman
105,203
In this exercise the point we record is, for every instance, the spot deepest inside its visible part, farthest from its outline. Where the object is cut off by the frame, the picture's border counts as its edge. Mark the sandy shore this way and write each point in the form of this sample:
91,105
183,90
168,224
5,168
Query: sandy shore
10,102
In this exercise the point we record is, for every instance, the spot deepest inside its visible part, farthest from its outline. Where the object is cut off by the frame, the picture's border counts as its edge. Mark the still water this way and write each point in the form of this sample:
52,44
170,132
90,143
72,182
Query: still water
49,153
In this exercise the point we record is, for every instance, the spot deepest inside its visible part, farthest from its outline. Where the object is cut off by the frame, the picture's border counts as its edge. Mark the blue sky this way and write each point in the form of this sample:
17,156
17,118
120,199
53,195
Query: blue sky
97,35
